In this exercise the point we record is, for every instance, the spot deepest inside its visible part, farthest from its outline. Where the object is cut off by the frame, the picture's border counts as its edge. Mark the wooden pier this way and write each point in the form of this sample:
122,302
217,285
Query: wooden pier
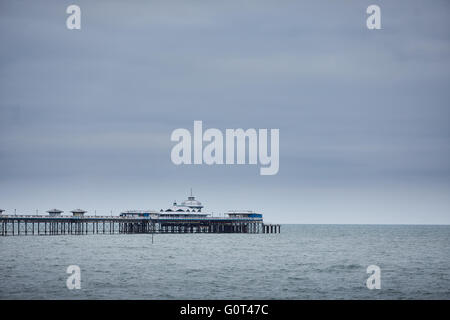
15,225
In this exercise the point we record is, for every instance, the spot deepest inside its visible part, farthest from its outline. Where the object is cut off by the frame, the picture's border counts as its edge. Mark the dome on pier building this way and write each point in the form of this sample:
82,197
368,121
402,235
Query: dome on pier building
192,203
189,205
78,212
54,212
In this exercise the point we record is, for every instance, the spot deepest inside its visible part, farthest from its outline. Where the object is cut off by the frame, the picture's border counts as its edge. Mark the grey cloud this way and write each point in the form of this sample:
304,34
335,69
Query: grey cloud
88,114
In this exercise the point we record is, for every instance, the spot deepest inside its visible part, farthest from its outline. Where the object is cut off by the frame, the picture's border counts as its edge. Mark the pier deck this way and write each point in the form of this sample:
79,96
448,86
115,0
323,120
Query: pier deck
14,225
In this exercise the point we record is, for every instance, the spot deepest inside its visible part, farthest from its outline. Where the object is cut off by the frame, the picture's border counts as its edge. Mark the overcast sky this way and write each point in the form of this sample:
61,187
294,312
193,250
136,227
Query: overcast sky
86,115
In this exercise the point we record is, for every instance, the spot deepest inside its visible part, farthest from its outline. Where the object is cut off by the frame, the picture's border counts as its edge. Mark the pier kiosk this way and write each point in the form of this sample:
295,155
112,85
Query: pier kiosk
78,212
54,212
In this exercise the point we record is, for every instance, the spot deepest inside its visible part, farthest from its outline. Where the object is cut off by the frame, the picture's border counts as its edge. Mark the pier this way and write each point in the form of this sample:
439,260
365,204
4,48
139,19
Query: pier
186,217
21,225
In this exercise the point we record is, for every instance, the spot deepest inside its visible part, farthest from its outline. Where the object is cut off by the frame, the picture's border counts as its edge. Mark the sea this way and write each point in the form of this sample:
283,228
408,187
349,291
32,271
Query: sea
301,262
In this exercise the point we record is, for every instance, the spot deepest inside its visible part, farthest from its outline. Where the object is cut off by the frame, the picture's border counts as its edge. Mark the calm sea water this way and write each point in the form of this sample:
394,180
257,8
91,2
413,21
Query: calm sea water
303,262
